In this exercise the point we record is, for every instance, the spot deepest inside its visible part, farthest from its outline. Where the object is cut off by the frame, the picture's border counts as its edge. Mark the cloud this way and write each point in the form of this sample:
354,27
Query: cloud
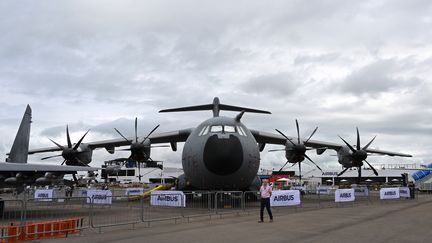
337,65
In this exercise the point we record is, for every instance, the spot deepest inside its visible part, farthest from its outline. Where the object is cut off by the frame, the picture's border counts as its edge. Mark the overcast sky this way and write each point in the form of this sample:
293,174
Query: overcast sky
333,64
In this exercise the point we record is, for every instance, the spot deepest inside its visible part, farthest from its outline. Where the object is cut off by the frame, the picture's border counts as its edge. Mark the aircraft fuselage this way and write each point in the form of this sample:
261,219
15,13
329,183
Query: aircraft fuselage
221,153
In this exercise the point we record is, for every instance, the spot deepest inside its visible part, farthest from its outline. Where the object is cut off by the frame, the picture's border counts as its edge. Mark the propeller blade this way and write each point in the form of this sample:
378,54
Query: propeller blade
300,174
154,129
68,137
307,157
75,178
63,162
349,146
375,172
160,146
284,165
367,145
285,137
121,134
298,132
358,139
314,131
79,142
49,157
343,172
359,175
136,129
128,149
274,150
139,171
58,145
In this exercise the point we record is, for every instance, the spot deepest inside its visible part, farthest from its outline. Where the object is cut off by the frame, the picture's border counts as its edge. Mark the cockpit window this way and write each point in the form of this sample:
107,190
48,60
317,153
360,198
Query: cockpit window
204,131
241,131
230,129
216,129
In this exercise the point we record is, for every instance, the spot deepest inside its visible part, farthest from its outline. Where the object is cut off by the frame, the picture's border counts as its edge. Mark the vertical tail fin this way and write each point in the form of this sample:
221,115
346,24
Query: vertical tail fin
20,147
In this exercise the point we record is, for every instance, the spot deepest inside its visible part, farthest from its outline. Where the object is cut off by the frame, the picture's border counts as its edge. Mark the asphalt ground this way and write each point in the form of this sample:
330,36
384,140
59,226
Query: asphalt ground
404,221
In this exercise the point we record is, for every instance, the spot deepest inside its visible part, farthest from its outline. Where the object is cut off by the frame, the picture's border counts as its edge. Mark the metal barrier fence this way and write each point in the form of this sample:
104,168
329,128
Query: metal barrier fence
86,212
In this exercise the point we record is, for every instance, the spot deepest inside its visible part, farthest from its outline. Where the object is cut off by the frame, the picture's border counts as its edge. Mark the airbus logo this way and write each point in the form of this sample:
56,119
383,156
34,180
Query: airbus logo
345,195
168,198
283,198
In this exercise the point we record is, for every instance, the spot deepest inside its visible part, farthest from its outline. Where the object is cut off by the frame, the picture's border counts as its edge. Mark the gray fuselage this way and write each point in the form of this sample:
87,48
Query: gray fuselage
221,153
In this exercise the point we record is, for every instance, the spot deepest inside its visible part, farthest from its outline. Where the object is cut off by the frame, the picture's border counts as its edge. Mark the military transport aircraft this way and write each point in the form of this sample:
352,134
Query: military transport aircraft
16,172
222,153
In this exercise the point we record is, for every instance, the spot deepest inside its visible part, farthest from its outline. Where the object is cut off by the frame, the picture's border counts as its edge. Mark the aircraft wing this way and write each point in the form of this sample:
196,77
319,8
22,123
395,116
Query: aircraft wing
166,137
29,167
416,169
270,138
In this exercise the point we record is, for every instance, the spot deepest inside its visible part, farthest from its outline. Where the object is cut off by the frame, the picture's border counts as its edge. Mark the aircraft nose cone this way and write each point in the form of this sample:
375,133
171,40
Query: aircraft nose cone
223,156
360,155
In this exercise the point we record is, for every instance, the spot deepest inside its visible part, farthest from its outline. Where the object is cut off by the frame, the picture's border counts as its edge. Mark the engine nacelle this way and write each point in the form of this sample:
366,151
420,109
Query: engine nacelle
11,180
43,180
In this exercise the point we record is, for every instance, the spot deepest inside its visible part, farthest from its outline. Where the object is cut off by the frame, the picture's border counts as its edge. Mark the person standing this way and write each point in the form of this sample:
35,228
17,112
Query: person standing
266,192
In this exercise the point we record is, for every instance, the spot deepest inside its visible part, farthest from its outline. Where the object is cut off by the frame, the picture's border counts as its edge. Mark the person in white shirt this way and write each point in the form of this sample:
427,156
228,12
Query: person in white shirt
266,192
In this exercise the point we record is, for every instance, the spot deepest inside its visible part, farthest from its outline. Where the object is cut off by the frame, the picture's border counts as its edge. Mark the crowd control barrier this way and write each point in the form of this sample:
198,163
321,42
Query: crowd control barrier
29,219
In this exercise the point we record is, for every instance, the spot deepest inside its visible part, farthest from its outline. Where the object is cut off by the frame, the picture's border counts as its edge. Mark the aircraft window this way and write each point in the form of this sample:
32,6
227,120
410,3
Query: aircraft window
241,129
202,131
205,131
216,129
229,129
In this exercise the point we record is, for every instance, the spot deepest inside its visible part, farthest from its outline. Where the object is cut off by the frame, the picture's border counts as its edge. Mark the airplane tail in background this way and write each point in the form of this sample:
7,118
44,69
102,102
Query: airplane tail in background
20,147
215,107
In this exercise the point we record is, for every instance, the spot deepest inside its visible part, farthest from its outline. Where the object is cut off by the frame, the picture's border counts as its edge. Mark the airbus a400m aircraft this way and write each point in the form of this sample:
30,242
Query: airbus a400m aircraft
222,153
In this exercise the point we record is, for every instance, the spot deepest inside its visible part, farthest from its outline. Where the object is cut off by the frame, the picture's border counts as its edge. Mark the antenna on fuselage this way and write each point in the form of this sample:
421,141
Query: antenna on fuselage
215,107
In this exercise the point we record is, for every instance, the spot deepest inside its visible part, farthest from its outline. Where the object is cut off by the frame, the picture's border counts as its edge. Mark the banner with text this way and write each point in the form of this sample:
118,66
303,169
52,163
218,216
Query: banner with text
99,196
345,195
389,193
404,192
45,195
285,198
323,190
361,191
300,188
168,198
134,191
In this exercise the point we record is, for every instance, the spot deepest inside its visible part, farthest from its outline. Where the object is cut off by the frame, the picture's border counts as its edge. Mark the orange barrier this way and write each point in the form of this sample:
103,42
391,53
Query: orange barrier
40,230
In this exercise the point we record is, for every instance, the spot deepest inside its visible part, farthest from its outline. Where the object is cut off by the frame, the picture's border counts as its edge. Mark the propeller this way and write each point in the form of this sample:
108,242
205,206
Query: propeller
69,153
359,154
139,149
299,148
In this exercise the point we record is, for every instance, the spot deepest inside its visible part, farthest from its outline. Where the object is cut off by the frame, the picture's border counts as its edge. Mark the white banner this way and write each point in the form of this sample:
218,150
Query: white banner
99,196
389,193
134,191
323,190
361,191
301,188
45,195
404,192
168,198
345,195
83,192
285,198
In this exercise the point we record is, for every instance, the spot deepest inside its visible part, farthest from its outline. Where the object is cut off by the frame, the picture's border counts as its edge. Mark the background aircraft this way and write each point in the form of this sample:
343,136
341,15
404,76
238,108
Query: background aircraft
222,153
16,172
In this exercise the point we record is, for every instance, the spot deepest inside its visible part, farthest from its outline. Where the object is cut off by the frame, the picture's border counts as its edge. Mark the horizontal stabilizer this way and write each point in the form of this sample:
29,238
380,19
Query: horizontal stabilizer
215,107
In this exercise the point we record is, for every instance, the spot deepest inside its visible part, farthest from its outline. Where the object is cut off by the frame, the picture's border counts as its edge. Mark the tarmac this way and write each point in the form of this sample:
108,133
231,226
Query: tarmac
407,221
